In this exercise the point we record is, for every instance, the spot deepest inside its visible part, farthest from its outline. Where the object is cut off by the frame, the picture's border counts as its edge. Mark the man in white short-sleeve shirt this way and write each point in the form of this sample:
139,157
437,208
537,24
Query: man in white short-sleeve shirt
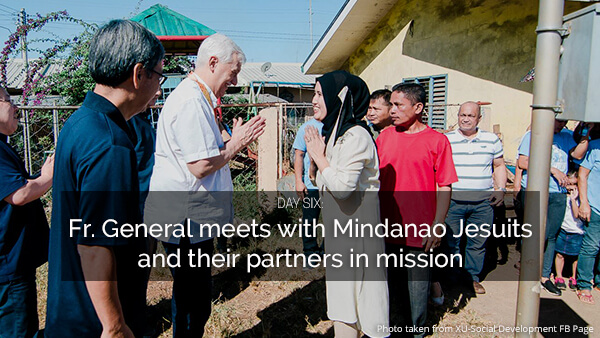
478,158
187,132
191,179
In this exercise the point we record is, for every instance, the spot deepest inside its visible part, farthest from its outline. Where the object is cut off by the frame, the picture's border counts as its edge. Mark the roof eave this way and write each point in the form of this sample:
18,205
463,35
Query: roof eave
353,23
182,37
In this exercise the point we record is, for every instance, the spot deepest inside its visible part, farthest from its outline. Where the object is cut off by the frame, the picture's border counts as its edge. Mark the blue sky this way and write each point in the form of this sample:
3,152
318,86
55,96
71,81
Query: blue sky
267,30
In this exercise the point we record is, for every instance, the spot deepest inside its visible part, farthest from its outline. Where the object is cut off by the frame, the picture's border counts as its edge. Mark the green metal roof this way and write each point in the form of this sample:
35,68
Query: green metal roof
165,22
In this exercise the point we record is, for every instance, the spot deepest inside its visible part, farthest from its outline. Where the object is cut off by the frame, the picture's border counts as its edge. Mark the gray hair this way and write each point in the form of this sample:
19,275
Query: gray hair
117,47
220,46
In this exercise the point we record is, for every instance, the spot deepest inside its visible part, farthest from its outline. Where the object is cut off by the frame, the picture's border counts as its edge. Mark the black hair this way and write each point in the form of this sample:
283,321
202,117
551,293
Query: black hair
385,94
117,47
412,91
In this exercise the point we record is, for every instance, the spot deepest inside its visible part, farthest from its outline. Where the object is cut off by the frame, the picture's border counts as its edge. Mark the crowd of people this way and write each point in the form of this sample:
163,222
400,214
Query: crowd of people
465,169
368,156
571,231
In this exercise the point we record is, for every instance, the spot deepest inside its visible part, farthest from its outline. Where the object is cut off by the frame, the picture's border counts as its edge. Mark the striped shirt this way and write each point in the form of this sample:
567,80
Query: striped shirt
473,159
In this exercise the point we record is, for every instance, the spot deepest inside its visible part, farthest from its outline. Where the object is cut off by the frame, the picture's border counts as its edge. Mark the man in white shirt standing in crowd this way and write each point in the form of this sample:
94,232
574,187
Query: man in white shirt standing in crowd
191,156
475,152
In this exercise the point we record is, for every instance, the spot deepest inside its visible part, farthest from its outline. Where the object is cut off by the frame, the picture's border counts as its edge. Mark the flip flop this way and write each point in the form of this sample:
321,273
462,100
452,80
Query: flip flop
588,299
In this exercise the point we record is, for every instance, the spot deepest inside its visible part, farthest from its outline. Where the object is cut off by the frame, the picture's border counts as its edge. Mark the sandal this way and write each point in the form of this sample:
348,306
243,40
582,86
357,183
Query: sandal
585,298
572,284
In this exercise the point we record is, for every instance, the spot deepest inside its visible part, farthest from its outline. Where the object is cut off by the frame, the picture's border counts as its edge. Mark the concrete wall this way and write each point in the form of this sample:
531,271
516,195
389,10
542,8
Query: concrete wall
485,47
268,154
488,39
509,108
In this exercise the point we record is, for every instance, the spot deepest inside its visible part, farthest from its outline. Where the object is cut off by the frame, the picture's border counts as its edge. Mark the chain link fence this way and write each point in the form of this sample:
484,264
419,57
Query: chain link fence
40,127
293,116
38,133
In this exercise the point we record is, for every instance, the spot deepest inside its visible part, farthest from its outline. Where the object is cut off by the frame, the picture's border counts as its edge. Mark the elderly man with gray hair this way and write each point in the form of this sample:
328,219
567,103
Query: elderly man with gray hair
95,287
191,182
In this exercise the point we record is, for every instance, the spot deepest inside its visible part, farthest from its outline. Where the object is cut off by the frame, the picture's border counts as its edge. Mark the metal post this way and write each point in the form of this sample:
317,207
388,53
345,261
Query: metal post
544,101
26,140
55,125
280,145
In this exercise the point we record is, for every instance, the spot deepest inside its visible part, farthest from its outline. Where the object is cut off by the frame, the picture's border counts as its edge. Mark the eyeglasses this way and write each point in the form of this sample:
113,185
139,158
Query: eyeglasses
161,78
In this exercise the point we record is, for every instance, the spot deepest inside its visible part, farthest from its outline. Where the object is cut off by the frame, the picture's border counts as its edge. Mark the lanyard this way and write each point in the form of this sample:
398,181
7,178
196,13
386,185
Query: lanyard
205,92
224,133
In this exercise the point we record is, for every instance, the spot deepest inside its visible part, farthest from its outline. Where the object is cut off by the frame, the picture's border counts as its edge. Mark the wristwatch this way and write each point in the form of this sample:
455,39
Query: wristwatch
503,189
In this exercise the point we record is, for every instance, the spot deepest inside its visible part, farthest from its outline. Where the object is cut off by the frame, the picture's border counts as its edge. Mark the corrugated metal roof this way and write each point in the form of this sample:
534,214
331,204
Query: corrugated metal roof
284,74
163,21
15,73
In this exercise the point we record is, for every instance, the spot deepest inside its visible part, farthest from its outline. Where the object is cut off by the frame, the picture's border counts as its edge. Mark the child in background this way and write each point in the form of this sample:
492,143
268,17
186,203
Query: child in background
570,236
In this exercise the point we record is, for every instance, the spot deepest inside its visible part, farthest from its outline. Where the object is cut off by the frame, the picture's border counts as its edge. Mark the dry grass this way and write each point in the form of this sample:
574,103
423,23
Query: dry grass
271,309
268,303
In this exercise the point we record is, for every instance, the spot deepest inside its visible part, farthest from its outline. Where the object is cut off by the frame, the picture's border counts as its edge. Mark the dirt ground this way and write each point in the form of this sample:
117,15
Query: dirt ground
297,308
254,308
274,306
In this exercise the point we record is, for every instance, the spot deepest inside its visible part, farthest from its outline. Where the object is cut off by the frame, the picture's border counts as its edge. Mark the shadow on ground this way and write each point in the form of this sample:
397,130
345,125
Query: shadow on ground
297,315
556,313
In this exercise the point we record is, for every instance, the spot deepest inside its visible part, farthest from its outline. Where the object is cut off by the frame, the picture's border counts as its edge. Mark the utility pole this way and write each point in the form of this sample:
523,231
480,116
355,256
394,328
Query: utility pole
23,19
26,145
545,91
310,23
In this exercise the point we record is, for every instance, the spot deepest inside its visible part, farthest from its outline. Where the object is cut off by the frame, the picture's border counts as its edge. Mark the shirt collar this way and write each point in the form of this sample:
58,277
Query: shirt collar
213,97
476,137
100,104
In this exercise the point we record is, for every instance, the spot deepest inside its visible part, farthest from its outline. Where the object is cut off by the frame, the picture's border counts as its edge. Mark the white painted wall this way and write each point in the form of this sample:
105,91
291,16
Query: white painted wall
510,107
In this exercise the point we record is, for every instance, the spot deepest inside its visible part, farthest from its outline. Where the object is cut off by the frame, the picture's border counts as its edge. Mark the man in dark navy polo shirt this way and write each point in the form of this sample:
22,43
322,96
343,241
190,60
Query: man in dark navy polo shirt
94,284
23,230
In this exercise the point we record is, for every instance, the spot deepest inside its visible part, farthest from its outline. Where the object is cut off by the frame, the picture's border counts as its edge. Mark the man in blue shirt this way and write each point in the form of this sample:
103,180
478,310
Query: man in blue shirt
305,188
95,286
589,210
23,230
562,146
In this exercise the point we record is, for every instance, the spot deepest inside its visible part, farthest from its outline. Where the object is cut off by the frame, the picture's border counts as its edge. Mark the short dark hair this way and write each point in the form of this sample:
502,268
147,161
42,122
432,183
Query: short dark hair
385,94
412,91
117,47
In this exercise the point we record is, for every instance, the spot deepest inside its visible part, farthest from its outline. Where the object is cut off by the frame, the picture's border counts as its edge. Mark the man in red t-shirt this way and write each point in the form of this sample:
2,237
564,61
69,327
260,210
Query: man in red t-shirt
416,173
